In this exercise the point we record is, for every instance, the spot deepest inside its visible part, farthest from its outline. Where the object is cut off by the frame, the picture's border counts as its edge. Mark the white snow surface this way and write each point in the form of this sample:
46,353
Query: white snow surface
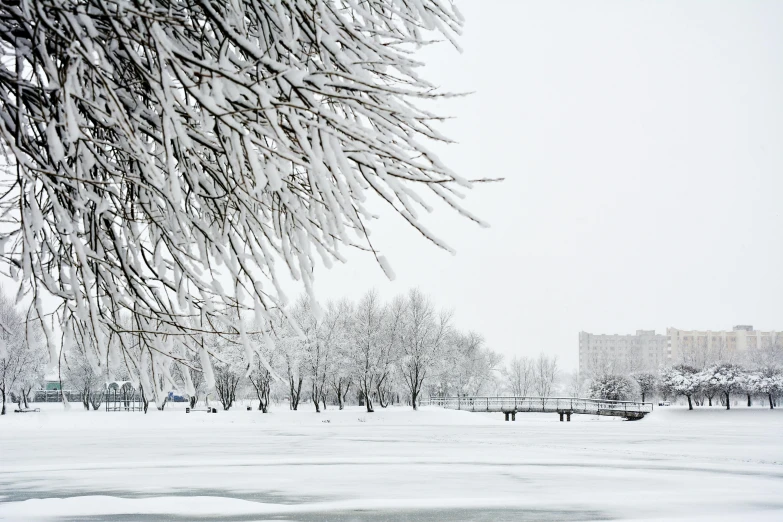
395,464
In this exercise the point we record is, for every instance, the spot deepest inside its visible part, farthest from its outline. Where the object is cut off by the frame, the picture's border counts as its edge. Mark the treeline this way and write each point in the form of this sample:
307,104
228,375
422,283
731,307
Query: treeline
372,352
714,384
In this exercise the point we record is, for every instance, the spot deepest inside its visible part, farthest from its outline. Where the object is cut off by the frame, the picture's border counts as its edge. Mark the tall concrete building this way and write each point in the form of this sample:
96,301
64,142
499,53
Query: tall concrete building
698,348
643,351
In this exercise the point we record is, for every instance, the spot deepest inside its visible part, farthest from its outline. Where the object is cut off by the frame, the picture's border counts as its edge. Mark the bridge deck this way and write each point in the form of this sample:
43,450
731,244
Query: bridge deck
562,405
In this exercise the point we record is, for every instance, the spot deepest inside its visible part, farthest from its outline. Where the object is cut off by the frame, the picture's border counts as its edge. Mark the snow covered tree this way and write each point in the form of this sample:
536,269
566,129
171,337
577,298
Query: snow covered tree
750,386
707,388
611,388
770,383
229,371
681,380
646,383
81,376
288,340
262,377
22,358
168,159
727,378
340,371
374,334
313,352
422,337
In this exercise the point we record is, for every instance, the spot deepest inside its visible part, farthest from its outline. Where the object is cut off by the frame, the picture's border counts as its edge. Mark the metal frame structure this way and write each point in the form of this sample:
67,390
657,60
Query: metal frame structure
122,396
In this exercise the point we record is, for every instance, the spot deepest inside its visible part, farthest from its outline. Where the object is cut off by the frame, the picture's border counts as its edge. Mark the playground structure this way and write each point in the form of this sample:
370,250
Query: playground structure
123,396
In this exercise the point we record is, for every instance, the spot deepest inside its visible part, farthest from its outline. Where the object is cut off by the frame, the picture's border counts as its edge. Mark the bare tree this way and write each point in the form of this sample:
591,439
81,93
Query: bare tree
81,376
476,365
520,376
369,344
576,384
313,352
545,372
389,352
226,382
422,337
261,381
340,371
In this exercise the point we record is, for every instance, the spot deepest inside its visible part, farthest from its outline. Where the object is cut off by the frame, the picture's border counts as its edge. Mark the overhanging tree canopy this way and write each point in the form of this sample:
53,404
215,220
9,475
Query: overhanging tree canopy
166,157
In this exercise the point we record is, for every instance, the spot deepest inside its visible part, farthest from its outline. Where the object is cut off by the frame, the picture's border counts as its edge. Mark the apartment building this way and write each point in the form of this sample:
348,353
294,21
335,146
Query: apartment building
647,351
643,351
697,347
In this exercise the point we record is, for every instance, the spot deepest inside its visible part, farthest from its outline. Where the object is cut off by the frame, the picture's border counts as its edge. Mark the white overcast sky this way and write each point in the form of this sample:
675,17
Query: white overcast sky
642,146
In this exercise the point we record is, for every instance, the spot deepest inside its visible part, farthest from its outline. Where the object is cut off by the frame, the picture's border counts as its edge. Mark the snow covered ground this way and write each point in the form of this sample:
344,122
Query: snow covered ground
395,464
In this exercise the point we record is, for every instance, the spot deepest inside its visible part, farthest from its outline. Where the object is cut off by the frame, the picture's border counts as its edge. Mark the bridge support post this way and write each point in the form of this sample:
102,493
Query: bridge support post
568,416
561,416
505,414
514,416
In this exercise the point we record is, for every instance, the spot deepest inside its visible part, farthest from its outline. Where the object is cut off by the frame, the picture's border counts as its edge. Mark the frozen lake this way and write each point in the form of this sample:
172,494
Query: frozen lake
395,464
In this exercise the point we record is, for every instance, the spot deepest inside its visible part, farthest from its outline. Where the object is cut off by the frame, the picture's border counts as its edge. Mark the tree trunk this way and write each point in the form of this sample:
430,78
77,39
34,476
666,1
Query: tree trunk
381,397
144,400
192,400
323,400
367,401
414,395
345,396
296,392
3,411
728,402
316,399
642,396
96,399
690,404
770,401
710,400
749,403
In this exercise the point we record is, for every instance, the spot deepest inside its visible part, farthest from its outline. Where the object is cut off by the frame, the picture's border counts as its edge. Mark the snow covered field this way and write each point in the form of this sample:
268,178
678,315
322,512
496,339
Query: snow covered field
395,464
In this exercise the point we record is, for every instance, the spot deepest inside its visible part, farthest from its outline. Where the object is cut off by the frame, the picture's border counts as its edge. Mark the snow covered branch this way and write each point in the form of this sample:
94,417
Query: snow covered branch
167,159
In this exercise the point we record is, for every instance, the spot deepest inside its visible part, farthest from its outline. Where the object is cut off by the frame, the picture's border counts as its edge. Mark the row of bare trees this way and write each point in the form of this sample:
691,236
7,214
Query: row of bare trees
532,376
374,352
371,351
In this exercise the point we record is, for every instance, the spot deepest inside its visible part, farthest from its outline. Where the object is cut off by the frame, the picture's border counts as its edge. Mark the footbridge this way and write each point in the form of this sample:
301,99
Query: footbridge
564,406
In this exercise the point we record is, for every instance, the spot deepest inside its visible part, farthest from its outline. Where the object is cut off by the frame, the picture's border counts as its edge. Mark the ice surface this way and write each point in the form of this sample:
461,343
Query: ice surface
395,464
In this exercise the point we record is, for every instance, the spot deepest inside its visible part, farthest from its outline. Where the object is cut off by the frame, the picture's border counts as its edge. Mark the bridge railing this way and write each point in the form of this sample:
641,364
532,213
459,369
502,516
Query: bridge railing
542,404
